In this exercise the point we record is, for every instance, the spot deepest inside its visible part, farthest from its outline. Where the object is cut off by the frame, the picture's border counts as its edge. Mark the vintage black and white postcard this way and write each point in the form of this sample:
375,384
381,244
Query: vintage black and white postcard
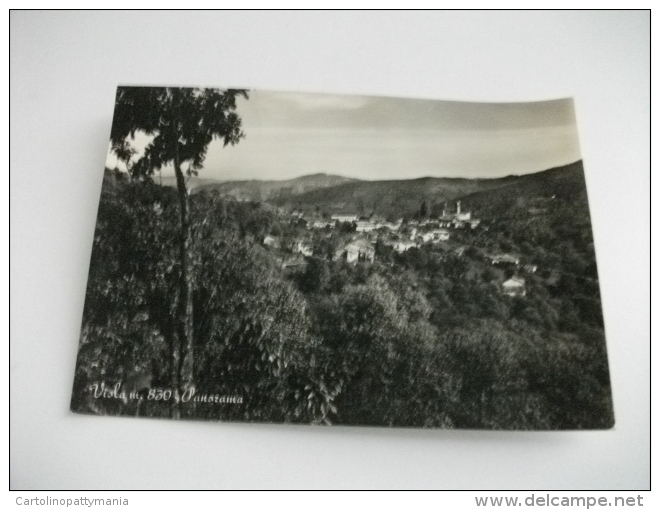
345,260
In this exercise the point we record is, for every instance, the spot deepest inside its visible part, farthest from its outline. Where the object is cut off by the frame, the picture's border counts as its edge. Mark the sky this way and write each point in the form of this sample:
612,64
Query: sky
288,135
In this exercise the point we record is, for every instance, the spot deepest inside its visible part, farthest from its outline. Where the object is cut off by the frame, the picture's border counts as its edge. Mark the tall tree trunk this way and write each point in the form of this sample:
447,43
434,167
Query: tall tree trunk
186,350
175,346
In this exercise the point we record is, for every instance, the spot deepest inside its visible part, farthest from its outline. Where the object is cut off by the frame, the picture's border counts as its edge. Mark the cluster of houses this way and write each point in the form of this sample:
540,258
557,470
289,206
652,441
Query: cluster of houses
458,219
361,224
448,219
353,251
357,250
402,236
360,248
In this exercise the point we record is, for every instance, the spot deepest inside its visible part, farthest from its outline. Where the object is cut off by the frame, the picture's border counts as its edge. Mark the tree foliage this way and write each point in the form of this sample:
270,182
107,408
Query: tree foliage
183,121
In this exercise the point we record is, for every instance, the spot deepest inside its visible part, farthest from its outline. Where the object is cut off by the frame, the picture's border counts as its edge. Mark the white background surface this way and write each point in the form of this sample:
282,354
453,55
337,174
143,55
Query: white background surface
65,67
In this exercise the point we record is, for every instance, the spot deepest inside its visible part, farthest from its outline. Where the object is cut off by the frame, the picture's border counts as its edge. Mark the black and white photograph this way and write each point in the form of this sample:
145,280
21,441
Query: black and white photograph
405,250
343,260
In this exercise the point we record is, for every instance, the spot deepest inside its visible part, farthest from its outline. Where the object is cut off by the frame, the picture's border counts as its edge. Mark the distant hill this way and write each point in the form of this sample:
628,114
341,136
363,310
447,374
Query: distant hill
402,198
193,183
532,192
276,190
396,198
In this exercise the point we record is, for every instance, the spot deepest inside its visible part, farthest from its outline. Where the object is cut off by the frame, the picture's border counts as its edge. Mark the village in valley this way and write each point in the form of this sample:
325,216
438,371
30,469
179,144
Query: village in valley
353,296
361,239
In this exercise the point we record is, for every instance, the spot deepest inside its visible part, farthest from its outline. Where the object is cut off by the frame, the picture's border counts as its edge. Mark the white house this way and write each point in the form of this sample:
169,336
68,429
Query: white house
438,234
366,226
359,250
514,286
343,218
505,259
392,226
404,245
303,247
271,242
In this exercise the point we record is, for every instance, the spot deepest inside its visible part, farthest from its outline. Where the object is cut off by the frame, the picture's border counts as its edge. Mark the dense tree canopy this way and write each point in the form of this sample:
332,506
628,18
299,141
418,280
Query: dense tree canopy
421,337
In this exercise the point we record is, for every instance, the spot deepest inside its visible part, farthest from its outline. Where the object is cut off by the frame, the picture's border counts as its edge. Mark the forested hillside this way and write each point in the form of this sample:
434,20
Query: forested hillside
423,337
402,198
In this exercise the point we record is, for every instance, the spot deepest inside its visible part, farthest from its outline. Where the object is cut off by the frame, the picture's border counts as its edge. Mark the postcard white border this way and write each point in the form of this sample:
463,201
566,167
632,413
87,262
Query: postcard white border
65,67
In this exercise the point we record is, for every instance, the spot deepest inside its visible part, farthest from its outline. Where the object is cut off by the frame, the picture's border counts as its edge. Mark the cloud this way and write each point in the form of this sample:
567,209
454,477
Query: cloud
322,101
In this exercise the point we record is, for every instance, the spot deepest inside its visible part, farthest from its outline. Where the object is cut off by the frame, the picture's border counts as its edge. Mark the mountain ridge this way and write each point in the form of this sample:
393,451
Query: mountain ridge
260,190
336,194
403,197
